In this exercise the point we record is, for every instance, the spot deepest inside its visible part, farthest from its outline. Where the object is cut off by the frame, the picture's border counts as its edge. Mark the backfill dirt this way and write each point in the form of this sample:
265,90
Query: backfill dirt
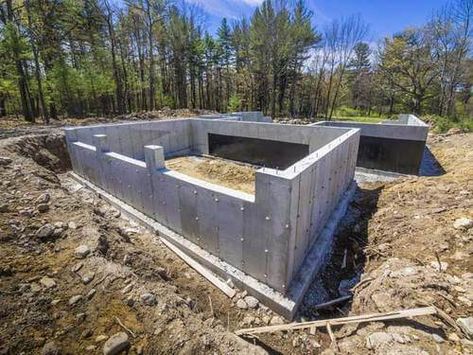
394,238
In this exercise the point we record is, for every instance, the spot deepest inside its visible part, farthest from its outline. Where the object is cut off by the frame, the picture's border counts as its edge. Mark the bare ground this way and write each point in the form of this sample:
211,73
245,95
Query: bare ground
223,172
395,234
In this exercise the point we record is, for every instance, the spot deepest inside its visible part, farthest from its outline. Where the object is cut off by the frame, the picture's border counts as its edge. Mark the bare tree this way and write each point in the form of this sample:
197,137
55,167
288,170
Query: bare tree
341,38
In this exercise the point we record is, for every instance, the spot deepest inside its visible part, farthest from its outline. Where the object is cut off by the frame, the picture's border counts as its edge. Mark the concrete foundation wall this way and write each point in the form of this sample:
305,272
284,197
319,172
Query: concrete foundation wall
393,145
265,235
175,136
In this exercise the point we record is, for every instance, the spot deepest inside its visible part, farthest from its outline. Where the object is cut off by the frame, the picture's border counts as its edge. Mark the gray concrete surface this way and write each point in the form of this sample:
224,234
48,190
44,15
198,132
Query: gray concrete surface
266,236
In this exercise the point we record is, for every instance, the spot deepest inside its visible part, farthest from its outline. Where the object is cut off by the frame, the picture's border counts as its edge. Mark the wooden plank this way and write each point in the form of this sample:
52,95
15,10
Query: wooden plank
217,282
414,312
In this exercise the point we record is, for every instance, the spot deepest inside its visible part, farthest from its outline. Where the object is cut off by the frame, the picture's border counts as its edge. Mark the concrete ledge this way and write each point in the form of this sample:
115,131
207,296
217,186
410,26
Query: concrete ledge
287,306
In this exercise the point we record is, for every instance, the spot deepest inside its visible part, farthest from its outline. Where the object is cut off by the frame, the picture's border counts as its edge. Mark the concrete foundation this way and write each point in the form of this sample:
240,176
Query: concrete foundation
393,145
266,239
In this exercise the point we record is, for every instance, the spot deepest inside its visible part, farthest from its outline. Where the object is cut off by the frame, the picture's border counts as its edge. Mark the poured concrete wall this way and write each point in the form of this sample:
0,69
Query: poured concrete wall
130,138
393,145
265,235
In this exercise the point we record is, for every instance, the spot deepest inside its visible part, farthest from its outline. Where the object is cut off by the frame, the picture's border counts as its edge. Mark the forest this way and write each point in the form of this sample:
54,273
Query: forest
70,58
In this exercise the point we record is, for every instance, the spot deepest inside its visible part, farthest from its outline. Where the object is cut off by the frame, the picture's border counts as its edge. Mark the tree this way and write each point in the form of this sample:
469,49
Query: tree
409,63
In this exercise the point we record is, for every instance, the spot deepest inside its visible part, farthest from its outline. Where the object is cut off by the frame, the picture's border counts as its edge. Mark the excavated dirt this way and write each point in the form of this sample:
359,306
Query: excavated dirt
217,171
388,251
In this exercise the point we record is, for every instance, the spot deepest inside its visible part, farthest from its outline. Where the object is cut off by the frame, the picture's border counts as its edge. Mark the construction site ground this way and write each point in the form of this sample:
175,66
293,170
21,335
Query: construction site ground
74,271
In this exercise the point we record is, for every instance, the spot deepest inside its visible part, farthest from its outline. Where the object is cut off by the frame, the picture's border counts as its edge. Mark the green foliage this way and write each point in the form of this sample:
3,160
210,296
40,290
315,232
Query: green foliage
234,103
442,124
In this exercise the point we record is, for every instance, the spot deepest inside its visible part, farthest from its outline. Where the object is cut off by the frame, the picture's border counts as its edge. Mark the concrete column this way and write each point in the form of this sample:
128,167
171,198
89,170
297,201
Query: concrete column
154,157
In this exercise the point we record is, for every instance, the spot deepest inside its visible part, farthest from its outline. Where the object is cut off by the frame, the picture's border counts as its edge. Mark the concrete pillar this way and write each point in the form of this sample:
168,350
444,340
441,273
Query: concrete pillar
154,157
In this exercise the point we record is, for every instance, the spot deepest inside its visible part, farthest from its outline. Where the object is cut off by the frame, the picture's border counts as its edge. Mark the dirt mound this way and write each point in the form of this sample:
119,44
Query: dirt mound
47,150
218,171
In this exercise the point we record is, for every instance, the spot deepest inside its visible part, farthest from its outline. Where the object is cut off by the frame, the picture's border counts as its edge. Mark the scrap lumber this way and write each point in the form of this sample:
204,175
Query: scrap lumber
217,282
374,317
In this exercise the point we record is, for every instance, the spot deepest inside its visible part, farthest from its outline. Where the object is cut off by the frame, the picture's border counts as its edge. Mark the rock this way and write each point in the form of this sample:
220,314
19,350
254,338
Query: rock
90,294
77,267
463,223
35,288
276,320
45,231
148,299
74,299
466,324
381,300
90,348
251,302
4,161
442,267
86,334
57,232
241,304
81,317
55,302
453,337
43,198
377,339
60,225
129,301
127,288
101,338
50,348
116,344
4,207
43,207
438,338
72,225
454,130
47,282
81,251
88,277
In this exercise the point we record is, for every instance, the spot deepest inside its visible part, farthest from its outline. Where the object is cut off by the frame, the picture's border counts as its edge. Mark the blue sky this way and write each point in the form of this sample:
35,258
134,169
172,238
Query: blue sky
384,16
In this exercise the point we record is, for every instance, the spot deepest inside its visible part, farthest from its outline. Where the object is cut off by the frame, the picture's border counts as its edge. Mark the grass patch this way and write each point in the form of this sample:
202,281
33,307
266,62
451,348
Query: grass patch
363,119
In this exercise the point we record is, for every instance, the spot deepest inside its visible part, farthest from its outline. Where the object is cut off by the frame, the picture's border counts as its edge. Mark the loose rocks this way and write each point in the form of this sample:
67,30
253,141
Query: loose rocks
43,198
116,344
148,299
466,324
251,302
45,231
241,304
43,207
4,161
463,223
47,282
50,348
88,277
74,299
81,251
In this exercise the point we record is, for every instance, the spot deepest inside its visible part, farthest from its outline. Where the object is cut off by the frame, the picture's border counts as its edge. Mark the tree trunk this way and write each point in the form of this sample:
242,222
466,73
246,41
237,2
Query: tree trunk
42,105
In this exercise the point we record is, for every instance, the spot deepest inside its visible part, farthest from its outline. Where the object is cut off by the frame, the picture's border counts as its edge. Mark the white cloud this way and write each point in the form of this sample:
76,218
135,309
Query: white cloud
251,2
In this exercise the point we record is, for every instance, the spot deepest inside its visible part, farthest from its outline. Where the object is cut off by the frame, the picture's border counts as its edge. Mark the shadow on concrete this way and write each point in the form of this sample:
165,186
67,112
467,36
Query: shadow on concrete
347,261
430,166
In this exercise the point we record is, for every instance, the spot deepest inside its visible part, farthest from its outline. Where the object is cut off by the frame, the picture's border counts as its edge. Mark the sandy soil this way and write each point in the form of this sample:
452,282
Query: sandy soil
393,236
217,171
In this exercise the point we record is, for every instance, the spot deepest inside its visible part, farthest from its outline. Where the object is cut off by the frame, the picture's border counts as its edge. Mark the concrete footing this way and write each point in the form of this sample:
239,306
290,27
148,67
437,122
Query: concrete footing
284,304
